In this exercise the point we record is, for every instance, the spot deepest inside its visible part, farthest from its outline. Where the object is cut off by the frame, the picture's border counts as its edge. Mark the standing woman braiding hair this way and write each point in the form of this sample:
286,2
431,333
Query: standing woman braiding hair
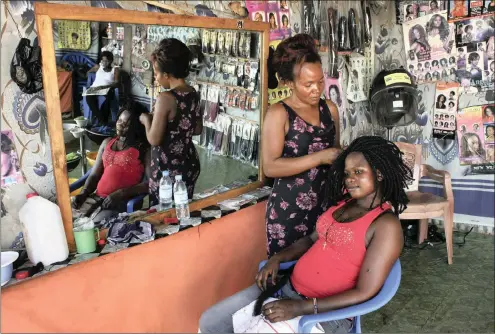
299,141
176,118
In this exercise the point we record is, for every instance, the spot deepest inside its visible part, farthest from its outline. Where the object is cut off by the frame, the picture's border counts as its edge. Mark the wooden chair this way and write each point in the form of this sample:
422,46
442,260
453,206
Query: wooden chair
424,206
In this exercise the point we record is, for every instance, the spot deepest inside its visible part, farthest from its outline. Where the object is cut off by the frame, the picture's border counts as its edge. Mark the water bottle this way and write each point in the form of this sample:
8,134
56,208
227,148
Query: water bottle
180,198
165,191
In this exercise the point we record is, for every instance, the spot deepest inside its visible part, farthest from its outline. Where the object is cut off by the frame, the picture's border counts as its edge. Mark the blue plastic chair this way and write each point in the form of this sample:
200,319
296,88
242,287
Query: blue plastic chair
114,106
386,293
78,58
131,204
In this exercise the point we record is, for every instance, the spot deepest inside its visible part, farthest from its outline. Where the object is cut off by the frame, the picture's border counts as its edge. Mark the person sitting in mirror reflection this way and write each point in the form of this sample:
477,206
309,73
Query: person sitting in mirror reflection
121,163
300,140
175,120
106,77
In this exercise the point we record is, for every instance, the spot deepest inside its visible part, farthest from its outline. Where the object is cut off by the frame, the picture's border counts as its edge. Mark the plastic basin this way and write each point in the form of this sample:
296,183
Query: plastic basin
8,259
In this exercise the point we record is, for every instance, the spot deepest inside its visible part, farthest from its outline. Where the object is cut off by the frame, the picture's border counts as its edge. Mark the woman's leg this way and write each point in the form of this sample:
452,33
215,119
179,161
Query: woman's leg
92,102
218,318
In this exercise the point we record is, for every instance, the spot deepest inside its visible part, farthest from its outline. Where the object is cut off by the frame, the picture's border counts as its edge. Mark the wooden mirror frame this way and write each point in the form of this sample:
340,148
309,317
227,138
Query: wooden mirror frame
46,13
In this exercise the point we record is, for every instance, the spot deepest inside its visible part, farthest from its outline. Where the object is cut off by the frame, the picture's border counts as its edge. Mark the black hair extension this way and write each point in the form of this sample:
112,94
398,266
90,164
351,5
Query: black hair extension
382,155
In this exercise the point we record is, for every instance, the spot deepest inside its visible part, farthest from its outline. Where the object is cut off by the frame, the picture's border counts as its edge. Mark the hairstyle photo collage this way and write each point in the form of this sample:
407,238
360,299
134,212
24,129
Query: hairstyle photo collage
278,94
276,13
444,116
475,48
429,43
476,129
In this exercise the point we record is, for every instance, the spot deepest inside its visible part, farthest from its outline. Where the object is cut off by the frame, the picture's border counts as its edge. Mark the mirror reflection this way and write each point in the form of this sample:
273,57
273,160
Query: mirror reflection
153,109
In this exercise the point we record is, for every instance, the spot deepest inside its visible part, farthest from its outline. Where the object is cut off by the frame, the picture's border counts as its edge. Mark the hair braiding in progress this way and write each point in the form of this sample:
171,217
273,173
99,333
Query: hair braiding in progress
382,155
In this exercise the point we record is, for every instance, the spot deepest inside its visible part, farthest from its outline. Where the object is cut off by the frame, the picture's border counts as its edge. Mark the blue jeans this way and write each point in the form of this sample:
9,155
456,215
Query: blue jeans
218,318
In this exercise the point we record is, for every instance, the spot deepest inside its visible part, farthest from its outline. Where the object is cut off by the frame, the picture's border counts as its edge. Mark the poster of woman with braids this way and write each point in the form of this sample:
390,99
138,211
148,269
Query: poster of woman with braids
11,172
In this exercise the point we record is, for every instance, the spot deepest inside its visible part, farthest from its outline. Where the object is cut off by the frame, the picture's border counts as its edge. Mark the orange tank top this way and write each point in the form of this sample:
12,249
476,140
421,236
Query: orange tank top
332,264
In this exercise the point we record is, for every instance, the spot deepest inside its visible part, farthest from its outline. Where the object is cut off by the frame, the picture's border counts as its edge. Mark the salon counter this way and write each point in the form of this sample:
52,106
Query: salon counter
160,286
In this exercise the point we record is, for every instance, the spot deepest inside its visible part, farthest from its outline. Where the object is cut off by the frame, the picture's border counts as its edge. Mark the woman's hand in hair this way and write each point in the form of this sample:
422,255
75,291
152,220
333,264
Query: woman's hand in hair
329,155
282,310
269,269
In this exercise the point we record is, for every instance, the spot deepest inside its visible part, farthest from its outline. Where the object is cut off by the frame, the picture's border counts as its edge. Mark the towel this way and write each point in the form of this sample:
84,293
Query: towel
137,232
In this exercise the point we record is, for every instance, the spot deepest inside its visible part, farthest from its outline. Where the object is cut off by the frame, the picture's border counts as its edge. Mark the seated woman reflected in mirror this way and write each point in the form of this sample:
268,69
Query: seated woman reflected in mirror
107,76
121,170
175,120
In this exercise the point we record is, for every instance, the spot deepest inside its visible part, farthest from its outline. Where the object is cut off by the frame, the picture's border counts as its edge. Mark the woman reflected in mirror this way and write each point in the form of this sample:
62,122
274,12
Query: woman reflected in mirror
107,76
121,168
300,140
175,120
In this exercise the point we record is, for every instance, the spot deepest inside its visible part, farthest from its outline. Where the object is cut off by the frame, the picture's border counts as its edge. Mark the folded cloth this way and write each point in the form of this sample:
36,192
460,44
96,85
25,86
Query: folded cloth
122,217
131,233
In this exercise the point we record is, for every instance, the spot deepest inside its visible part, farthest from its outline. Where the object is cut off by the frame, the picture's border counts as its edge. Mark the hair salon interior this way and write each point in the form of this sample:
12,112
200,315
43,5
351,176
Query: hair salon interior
140,184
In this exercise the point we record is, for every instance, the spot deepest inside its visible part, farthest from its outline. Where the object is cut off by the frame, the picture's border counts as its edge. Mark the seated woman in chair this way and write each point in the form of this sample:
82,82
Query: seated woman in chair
346,260
106,77
117,174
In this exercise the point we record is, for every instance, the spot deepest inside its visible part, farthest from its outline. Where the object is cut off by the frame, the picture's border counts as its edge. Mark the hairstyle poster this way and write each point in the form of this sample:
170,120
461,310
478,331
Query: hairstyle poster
475,7
11,172
276,13
333,92
445,111
429,44
458,9
411,9
489,7
474,30
355,84
278,94
471,137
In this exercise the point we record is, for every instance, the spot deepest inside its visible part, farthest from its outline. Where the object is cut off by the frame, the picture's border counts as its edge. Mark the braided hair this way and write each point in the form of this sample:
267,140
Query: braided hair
382,155
136,133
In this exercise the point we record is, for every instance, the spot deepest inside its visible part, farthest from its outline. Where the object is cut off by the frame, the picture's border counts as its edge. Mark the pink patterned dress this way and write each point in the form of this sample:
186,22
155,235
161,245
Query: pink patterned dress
177,153
297,201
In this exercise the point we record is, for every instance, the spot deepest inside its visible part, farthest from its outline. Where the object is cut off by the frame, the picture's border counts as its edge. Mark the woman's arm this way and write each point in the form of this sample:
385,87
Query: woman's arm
291,253
272,145
94,69
384,249
334,112
155,126
96,172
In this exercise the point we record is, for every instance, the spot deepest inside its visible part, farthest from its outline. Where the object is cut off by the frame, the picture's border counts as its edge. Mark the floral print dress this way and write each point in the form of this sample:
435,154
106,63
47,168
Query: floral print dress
297,201
177,153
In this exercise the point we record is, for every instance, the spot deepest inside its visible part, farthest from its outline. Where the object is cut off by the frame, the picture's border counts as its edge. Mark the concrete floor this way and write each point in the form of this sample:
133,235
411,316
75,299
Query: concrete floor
437,298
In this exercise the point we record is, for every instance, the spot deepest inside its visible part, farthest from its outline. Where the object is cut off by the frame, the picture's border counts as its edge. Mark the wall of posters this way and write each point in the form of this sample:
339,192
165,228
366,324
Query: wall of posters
445,110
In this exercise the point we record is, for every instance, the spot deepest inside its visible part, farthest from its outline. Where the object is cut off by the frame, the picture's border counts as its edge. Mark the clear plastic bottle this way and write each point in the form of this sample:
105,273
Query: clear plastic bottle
180,198
165,191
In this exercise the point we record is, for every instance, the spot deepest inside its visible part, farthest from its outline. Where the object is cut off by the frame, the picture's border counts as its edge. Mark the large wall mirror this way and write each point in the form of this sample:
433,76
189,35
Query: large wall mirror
97,62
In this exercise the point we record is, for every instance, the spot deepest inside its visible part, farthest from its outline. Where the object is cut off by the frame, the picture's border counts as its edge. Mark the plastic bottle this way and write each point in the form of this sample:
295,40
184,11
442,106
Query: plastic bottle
43,230
180,198
165,191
